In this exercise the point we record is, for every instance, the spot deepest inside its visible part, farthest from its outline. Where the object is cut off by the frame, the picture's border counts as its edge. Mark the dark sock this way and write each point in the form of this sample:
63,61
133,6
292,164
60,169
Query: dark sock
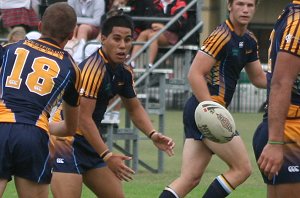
219,188
168,193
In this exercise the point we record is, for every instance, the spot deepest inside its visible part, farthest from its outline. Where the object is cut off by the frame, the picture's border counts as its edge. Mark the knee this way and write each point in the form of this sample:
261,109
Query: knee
243,171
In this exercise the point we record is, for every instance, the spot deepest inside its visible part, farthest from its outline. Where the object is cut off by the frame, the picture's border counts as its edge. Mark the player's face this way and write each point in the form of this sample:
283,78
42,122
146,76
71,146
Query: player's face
117,44
241,11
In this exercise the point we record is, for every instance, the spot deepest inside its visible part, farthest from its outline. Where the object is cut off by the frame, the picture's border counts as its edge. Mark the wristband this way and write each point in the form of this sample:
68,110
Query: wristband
104,153
276,142
107,156
152,133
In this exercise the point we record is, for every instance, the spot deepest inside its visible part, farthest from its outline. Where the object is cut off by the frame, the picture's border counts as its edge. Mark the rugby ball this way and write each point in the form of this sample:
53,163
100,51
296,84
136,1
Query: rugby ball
215,122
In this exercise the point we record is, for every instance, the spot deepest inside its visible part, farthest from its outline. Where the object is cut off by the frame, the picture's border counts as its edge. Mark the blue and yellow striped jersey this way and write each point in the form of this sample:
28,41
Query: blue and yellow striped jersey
102,82
232,52
286,37
35,75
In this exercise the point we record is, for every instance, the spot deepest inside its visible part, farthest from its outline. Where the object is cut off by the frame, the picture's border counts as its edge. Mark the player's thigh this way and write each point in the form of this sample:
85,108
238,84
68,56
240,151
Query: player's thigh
66,185
27,188
195,158
3,183
290,190
231,151
103,183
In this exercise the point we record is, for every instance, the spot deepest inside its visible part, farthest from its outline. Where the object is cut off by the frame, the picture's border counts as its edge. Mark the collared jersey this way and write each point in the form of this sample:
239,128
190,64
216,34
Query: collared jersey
34,76
232,53
285,37
102,82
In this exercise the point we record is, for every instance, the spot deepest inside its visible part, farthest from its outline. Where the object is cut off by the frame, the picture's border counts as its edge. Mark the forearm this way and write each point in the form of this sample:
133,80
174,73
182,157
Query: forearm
142,121
279,102
199,88
59,129
92,135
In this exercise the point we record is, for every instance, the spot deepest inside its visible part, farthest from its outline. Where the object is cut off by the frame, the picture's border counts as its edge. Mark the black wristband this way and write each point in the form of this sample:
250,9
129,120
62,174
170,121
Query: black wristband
152,133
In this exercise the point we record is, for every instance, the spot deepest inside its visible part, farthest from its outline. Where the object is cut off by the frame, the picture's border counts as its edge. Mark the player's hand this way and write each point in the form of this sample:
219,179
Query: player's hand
157,26
116,164
163,143
270,160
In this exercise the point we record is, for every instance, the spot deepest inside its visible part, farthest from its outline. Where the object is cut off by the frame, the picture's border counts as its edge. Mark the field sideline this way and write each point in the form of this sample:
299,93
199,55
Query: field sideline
149,185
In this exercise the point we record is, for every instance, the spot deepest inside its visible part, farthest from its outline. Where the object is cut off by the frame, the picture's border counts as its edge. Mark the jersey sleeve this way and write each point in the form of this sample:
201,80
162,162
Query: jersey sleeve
216,42
93,73
253,56
72,91
128,91
290,41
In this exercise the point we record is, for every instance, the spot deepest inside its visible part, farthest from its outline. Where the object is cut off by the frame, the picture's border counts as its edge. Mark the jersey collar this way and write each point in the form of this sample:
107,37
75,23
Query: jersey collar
229,24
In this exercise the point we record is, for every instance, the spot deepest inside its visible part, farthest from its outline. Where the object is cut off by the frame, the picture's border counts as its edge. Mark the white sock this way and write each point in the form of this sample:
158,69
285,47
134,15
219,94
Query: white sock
171,191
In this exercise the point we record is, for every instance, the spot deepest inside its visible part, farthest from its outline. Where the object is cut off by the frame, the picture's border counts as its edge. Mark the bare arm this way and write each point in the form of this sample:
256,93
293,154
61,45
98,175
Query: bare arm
68,126
200,67
142,121
256,74
92,135
286,70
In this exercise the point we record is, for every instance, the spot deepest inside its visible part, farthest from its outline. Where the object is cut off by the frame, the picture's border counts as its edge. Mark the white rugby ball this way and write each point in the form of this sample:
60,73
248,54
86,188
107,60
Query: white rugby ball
215,122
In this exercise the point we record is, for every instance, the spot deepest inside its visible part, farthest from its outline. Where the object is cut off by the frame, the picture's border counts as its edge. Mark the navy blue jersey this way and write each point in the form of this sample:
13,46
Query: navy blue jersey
232,53
35,75
102,82
285,37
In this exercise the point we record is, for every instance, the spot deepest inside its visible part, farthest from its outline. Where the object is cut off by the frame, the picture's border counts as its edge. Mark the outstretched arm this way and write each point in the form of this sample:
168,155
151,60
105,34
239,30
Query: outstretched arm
142,121
90,131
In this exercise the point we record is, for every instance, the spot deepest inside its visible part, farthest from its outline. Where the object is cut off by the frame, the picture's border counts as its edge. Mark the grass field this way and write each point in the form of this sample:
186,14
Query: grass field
149,185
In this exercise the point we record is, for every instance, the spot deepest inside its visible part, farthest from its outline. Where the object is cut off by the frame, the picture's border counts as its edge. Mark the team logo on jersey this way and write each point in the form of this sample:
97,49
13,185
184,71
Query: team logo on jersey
288,38
235,52
60,160
293,169
241,44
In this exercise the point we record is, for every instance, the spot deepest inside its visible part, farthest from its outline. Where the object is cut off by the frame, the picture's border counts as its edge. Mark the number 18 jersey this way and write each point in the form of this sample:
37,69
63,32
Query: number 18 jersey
35,75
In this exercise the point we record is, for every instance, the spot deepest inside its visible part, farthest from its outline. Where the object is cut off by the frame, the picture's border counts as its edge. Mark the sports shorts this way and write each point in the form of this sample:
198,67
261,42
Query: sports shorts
24,152
190,128
290,170
74,155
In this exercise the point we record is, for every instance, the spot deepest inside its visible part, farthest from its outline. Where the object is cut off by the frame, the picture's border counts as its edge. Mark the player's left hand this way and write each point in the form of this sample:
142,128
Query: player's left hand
270,160
163,143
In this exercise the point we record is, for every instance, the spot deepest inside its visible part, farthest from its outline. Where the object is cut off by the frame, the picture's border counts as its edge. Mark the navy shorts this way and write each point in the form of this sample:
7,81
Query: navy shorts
74,155
290,171
190,127
24,152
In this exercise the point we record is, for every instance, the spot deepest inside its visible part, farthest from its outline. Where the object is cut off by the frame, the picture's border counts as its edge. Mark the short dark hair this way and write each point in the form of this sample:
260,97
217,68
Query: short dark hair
58,21
118,20
230,2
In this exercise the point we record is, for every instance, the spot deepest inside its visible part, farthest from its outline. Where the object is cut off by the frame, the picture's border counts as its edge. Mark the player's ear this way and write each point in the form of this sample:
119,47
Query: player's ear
70,36
103,38
40,26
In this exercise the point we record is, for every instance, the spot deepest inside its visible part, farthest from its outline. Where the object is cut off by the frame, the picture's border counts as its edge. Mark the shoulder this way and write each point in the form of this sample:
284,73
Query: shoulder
251,36
221,33
217,40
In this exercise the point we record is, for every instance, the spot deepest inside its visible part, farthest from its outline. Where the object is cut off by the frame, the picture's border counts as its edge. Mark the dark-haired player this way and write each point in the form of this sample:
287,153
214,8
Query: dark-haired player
276,140
85,157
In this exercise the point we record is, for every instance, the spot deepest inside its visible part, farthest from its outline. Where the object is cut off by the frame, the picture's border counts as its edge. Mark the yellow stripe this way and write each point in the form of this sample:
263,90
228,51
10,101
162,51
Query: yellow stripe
225,181
6,115
43,122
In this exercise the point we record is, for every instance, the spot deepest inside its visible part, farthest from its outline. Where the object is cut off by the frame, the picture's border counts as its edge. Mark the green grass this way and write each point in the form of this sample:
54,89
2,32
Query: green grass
149,185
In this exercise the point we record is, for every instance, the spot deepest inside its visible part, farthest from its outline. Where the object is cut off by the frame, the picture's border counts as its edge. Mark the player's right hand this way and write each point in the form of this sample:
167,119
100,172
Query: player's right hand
116,164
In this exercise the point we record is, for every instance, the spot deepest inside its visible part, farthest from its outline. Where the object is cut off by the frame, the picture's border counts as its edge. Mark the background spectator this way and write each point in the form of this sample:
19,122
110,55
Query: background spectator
16,34
167,8
89,13
19,13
